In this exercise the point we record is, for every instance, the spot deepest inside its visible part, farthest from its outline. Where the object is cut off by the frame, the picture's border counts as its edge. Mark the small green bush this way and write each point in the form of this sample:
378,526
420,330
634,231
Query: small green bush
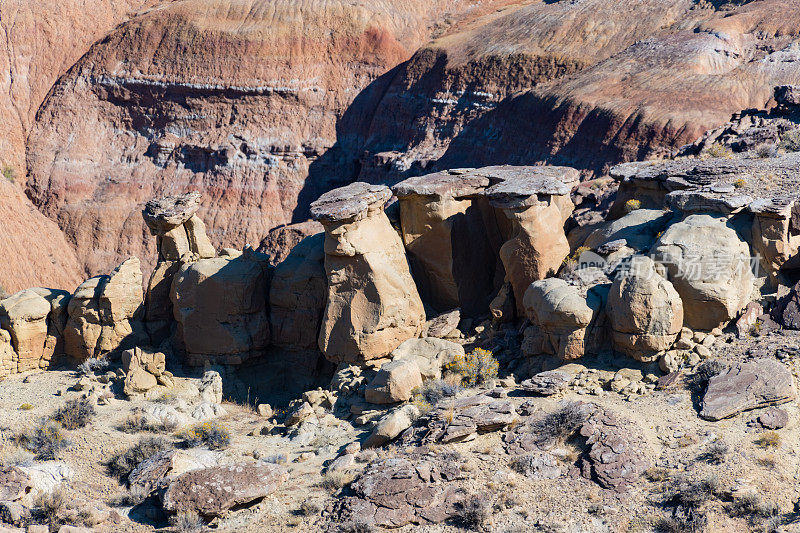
211,434
46,440
9,173
791,141
25,407
75,414
475,368
123,463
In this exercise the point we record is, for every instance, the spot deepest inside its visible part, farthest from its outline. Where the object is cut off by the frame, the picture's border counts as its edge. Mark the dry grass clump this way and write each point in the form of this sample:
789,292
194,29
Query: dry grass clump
561,424
333,481
46,440
770,439
211,434
123,463
75,414
474,513
187,522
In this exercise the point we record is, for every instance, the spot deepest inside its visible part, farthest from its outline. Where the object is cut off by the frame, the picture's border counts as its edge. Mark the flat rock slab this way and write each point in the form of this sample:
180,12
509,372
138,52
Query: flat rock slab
523,191
773,418
397,492
547,383
616,458
442,185
348,203
14,484
210,491
442,325
164,214
747,386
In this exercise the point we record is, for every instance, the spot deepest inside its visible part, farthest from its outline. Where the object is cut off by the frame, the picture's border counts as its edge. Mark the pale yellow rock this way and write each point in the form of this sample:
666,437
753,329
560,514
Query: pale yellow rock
394,382
24,316
199,243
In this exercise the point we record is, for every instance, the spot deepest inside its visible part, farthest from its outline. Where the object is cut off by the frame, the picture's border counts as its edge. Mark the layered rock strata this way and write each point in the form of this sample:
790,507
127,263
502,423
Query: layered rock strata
372,301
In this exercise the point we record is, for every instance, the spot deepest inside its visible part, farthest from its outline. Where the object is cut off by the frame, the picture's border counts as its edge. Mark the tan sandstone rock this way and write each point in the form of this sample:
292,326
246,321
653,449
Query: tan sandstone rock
772,238
25,316
536,200
177,229
372,302
394,382
429,354
447,229
644,310
709,266
105,313
564,320
8,357
220,305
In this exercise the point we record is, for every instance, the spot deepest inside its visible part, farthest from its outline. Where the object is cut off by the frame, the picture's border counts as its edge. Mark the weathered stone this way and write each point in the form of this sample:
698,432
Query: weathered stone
372,301
105,313
644,310
170,463
564,317
394,382
139,381
211,491
220,305
442,325
429,354
772,238
773,418
14,484
24,316
449,231
397,492
537,205
211,387
548,383
8,357
158,314
299,412
639,230
616,458
178,230
709,266
297,295
168,212
747,386
264,410
391,425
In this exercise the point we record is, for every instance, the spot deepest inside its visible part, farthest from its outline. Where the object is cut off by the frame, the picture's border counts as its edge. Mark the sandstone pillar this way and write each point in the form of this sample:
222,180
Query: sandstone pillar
772,236
446,236
538,204
372,301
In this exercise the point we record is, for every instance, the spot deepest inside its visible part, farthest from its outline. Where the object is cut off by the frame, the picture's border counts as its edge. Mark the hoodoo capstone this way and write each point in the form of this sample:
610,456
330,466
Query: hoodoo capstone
372,302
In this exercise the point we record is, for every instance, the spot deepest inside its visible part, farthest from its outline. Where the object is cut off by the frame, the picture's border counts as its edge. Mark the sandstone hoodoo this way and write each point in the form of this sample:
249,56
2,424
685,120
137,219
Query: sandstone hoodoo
372,302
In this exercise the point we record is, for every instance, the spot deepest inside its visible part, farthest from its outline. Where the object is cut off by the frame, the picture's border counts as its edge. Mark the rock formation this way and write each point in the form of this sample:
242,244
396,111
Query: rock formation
372,303
33,319
536,200
449,232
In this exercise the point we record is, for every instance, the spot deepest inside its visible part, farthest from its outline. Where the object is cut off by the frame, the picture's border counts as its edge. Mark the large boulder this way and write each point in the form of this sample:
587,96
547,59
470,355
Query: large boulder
773,234
8,357
746,386
211,491
24,315
451,236
709,266
297,295
563,319
430,355
537,203
372,301
644,310
105,313
220,305
394,382
639,229
177,228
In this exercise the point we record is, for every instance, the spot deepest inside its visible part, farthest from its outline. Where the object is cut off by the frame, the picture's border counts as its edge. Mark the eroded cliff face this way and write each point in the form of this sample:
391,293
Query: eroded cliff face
239,99
584,84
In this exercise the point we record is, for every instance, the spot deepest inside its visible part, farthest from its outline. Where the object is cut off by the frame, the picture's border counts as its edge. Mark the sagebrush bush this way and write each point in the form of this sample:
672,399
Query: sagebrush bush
75,413
187,522
475,368
770,439
716,453
138,423
9,173
720,150
333,481
123,463
791,141
92,366
212,434
765,150
560,424
432,392
632,205
134,496
46,440
473,513
49,506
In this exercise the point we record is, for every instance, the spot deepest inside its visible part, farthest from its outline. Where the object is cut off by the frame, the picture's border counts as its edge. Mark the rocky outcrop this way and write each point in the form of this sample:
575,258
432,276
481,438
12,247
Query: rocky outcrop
451,236
105,313
709,266
430,355
746,386
536,201
774,234
211,491
281,241
644,310
616,458
564,320
297,295
220,307
394,382
178,230
8,357
372,301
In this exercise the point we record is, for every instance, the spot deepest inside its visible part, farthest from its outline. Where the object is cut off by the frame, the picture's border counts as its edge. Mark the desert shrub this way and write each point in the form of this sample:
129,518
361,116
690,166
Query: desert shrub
770,439
689,496
333,481
716,453
75,413
26,407
677,524
791,141
9,173
138,423
16,457
560,424
277,459
122,463
46,440
49,507
740,183
473,513
768,461
92,366
132,497
212,434
751,505
356,526
632,205
310,508
475,368
719,150
432,392
765,150
656,474
187,522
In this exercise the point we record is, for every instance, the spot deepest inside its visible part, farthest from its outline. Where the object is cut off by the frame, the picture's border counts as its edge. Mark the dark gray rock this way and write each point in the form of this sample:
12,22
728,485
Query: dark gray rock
14,484
616,459
350,202
773,418
164,214
747,386
443,185
547,383
442,325
523,188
